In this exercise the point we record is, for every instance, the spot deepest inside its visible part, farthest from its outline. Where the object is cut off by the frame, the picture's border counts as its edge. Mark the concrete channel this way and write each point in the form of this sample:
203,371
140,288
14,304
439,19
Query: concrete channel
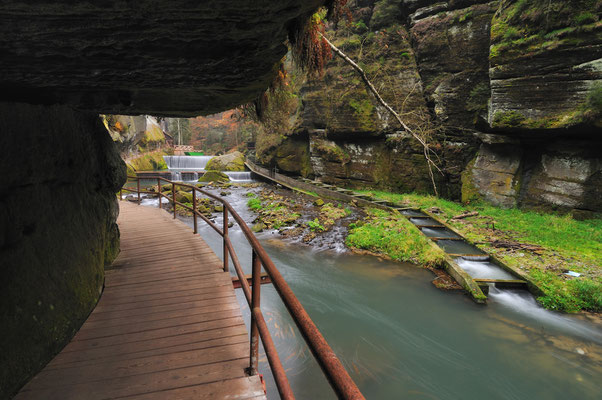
458,250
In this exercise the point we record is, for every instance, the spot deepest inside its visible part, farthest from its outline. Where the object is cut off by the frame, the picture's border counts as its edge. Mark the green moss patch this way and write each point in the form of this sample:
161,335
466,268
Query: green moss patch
394,236
530,27
214,176
555,244
148,162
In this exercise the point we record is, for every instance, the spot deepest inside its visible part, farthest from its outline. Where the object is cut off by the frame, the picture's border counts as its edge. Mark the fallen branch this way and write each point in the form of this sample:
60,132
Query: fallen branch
373,90
507,244
466,215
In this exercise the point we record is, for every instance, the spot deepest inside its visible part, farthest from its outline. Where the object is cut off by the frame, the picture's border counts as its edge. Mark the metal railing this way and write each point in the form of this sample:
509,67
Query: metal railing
339,379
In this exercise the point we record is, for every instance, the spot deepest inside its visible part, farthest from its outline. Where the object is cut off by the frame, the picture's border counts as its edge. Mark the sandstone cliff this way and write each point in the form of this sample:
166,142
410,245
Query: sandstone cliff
510,91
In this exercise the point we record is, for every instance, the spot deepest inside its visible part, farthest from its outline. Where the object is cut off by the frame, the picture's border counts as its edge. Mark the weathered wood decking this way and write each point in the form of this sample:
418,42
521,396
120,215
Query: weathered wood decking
168,325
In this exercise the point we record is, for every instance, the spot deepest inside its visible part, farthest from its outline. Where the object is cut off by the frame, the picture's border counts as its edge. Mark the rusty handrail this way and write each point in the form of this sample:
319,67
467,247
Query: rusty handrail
339,379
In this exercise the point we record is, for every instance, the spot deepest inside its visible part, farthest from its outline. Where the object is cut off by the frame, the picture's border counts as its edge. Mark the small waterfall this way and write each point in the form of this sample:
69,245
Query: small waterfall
475,258
242,176
176,176
186,168
483,269
190,163
524,303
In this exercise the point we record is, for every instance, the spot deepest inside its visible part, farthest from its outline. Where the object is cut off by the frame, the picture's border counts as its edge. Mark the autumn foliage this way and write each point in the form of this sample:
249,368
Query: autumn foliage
310,51
220,132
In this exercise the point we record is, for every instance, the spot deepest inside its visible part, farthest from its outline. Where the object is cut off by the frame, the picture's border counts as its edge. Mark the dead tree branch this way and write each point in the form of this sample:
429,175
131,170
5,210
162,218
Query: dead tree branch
372,89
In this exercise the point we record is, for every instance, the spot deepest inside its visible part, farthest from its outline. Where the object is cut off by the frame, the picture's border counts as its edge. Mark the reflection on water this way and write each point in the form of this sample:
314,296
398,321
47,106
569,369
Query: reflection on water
399,337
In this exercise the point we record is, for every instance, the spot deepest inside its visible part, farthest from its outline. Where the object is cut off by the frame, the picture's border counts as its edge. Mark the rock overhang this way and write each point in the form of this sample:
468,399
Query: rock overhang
172,58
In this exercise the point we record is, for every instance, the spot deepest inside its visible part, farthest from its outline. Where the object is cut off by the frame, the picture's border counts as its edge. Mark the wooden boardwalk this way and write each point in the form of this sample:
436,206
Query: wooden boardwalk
167,326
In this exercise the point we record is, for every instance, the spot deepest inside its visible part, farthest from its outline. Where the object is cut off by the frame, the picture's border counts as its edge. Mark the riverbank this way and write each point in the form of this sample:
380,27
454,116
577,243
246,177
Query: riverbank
546,246
323,224
394,330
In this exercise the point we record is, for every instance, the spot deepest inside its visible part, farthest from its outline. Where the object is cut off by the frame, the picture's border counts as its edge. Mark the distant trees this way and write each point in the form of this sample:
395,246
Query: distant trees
221,132
179,129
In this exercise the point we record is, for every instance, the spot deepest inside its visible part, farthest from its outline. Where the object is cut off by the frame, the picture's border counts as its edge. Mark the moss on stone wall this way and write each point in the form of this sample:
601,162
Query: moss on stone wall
330,151
470,193
544,59
57,230
529,27
292,156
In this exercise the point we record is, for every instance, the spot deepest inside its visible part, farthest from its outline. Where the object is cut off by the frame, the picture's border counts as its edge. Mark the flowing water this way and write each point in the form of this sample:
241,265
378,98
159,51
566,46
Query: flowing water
187,168
401,338
183,163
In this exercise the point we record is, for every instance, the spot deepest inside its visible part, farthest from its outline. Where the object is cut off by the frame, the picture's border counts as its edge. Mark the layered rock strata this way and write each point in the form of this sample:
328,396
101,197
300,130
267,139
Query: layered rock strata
509,91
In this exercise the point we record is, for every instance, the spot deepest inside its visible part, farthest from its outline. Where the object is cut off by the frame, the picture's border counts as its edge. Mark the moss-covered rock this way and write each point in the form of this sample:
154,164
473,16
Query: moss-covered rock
214,176
228,162
148,162
183,197
545,62
292,156
470,192
330,151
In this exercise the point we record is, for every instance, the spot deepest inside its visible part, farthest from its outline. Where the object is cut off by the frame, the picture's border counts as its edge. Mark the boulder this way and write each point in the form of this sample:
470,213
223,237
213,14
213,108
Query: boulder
214,176
258,227
228,162
183,197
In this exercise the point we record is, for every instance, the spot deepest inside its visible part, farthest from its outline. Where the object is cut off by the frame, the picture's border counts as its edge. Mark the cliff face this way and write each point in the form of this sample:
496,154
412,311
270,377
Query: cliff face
134,133
509,91
57,230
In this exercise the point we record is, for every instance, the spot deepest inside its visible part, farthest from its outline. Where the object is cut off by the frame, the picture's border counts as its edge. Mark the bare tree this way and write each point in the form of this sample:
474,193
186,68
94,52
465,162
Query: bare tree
428,152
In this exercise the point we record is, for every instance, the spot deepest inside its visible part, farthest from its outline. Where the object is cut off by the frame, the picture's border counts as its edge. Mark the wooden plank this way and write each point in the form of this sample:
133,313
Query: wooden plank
189,314
160,308
148,348
119,368
159,276
226,317
141,384
158,288
231,389
125,302
168,324
125,298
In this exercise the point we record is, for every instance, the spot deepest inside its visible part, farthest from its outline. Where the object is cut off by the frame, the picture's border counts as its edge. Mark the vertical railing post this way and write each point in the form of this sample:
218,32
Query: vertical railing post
255,304
159,190
120,194
138,187
173,198
225,231
194,209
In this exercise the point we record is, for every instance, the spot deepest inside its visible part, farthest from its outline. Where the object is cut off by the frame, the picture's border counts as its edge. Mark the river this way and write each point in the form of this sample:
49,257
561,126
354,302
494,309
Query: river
401,338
